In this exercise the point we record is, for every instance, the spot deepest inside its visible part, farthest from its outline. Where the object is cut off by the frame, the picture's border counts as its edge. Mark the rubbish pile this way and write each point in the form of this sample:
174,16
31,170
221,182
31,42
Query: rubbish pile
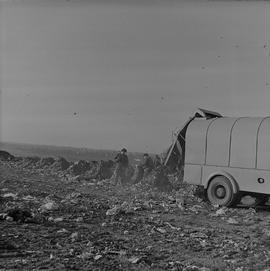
60,164
79,167
6,156
28,162
99,170
45,162
91,170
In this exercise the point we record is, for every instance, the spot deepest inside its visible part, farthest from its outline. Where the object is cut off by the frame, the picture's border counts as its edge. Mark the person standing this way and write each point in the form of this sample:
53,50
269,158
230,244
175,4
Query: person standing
147,165
157,161
122,163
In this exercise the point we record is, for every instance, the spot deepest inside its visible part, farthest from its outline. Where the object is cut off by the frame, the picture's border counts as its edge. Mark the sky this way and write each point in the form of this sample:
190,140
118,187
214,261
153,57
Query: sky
112,74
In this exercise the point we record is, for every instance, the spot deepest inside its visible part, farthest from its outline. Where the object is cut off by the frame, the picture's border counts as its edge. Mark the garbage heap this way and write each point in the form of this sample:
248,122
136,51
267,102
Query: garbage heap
160,177
59,166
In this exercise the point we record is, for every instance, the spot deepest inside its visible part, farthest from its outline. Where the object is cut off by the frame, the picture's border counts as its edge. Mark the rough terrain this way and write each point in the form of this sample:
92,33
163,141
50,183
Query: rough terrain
52,220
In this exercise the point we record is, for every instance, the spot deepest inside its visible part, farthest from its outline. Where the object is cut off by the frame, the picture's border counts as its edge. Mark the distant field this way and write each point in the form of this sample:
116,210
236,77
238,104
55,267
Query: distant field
70,153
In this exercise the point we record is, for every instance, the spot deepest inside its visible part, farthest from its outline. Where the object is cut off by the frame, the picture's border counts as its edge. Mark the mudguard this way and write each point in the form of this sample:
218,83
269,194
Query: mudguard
225,174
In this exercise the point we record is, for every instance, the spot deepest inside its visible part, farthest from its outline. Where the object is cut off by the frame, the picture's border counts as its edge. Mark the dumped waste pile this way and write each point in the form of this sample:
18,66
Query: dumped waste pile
62,168
60,164
6,156
79,167
88,170
51,220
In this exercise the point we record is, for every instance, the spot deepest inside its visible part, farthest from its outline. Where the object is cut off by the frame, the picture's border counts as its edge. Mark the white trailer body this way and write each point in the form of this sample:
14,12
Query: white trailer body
227,156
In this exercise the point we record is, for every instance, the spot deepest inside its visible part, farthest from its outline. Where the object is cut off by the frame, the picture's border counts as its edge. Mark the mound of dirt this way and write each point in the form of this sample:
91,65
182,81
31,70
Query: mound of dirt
79,167
47,161
60,164
6,156
101,170
30,162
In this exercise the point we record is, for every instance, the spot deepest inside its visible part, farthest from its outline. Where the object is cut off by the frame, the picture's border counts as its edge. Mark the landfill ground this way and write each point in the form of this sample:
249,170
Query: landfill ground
49,222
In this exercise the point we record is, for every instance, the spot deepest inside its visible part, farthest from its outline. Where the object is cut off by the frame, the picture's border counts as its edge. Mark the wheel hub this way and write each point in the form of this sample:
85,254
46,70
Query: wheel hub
220,192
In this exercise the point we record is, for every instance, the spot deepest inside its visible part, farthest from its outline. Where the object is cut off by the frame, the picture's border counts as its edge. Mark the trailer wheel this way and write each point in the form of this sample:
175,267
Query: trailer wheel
220,192
263,199
258,200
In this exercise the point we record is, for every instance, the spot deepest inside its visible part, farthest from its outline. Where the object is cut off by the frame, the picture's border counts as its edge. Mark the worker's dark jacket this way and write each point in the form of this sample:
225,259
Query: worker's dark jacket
121,160
148,163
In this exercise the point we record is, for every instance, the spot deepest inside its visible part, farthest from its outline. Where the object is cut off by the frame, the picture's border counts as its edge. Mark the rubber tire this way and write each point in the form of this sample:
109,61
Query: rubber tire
263,200
259,200
224,183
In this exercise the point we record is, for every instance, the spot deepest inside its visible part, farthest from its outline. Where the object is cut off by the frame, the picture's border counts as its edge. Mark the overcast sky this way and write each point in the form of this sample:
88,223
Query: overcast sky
111,75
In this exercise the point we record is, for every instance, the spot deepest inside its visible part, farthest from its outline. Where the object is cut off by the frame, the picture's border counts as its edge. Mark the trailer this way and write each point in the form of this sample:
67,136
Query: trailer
228,156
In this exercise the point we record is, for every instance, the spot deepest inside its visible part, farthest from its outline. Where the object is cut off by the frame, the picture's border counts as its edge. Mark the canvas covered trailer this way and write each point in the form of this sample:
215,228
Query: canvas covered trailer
227,156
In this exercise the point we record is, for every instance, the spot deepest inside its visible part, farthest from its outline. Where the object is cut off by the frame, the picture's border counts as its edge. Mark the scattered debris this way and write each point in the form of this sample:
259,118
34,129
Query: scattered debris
97,257
89,223
220,212
79,219
58,219
29,198
10,195
74,236
49,205
232,221
160,230
134,259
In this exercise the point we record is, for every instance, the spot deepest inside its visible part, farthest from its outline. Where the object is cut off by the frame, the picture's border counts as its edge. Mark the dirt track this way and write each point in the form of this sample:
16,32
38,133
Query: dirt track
82,225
